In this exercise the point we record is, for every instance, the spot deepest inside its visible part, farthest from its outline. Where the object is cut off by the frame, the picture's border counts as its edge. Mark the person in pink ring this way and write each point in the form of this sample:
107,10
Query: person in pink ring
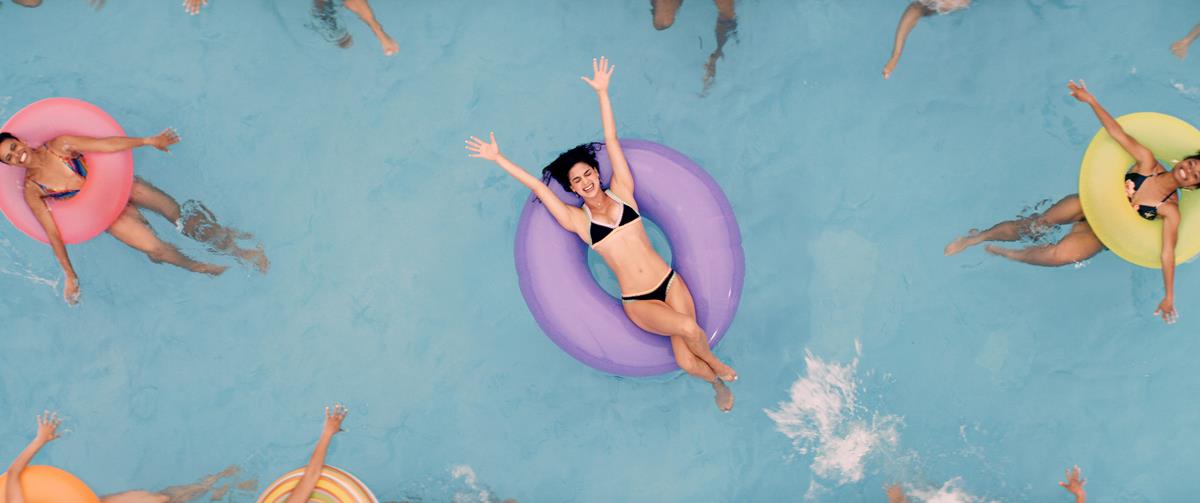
57,170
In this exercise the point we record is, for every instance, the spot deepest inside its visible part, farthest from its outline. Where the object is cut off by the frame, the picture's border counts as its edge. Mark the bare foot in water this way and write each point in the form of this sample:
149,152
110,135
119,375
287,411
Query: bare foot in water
962,243
256,257
1000,251
210,269
724,396
726,373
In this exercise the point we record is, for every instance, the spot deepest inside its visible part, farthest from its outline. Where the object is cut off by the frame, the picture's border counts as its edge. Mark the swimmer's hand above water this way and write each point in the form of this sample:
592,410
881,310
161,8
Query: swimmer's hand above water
71,290
163,140
1080,91
1074,485
488,151
1166,311
333,419
601,73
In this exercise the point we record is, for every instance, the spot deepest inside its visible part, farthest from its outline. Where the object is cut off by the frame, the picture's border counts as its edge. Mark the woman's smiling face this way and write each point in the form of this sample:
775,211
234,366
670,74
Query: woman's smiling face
585,180
14,152
1187,173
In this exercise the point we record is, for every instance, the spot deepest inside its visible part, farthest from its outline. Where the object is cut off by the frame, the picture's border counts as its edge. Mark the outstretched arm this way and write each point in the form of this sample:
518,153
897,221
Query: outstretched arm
1145,159
312,472
622,179
72,145
33,197
1169,212
47,430
491,151
1180,47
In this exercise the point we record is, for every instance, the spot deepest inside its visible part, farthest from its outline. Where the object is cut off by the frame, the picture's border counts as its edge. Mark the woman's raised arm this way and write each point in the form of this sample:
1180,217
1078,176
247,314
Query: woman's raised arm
47,430
622,179
312,472
1145,158
491,151
72,145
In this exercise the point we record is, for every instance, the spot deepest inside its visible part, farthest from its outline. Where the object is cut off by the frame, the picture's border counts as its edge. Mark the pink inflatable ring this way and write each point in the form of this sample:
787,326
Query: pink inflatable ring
109,179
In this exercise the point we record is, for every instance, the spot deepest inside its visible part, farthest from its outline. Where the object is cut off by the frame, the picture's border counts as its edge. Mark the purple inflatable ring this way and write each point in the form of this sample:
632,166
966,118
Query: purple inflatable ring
588,323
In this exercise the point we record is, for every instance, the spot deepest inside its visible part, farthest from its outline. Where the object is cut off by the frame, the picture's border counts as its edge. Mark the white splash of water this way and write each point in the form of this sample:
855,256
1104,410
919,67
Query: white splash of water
823,418
950,492
475,493
1191,91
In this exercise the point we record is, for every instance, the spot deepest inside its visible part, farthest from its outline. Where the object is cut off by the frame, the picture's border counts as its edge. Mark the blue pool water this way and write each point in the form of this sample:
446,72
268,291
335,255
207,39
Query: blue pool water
866,357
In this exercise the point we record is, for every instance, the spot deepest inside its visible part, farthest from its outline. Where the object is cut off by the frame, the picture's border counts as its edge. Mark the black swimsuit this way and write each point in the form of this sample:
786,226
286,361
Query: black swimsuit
1146,212
597,233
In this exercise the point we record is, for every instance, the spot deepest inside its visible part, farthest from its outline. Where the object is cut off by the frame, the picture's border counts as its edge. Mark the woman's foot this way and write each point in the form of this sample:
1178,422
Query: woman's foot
725,372
256,257
1001,251
724,397
962,243
210,269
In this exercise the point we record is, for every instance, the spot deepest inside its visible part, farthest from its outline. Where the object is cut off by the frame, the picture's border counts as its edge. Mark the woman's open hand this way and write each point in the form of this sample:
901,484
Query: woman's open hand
1074,483
47,426
601,73
1080,91
163,140
193,6
333,419
489,151
1166,311
71,290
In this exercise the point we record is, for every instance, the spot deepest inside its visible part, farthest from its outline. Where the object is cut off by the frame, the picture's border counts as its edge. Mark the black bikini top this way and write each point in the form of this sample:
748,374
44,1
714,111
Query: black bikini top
1146,212
597,232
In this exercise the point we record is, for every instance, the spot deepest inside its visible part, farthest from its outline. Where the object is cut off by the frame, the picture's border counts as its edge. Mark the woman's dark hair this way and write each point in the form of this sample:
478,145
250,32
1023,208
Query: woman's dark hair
560,169
5,135
1195,156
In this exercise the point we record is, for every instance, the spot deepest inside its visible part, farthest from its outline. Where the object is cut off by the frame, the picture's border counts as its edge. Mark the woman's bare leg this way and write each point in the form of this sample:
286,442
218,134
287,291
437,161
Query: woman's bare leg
132,229
363,9
1065,211
173,494
200,225
908,21
664,12
1078,245
726,27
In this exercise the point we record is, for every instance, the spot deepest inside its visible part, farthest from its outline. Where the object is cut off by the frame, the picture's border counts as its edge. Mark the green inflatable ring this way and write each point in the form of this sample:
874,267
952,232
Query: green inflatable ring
1102,190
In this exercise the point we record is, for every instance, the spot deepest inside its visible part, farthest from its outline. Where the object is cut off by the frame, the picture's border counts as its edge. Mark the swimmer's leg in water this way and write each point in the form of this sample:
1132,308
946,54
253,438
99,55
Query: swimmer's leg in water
1078,245
664,12
132,229
908,21
726,27
363,10
1068,210
329,24
198,224
173,494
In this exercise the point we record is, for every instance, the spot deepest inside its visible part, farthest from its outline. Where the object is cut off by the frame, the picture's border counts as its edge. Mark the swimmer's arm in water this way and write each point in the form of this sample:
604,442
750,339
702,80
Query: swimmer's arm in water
566,216
312,472
72,145
47,430
1144,157
622,179
33,197
1074,485
1169,213
1180,47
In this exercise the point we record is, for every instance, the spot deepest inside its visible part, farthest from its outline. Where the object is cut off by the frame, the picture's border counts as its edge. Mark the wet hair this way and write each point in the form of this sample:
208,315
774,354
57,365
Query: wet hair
560,169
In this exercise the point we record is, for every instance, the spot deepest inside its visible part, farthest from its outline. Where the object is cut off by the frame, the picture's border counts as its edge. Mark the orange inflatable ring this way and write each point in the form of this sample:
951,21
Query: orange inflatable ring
47,484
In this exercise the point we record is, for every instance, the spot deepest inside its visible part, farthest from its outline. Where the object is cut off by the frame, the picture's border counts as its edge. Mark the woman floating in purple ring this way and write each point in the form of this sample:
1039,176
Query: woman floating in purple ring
653,295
